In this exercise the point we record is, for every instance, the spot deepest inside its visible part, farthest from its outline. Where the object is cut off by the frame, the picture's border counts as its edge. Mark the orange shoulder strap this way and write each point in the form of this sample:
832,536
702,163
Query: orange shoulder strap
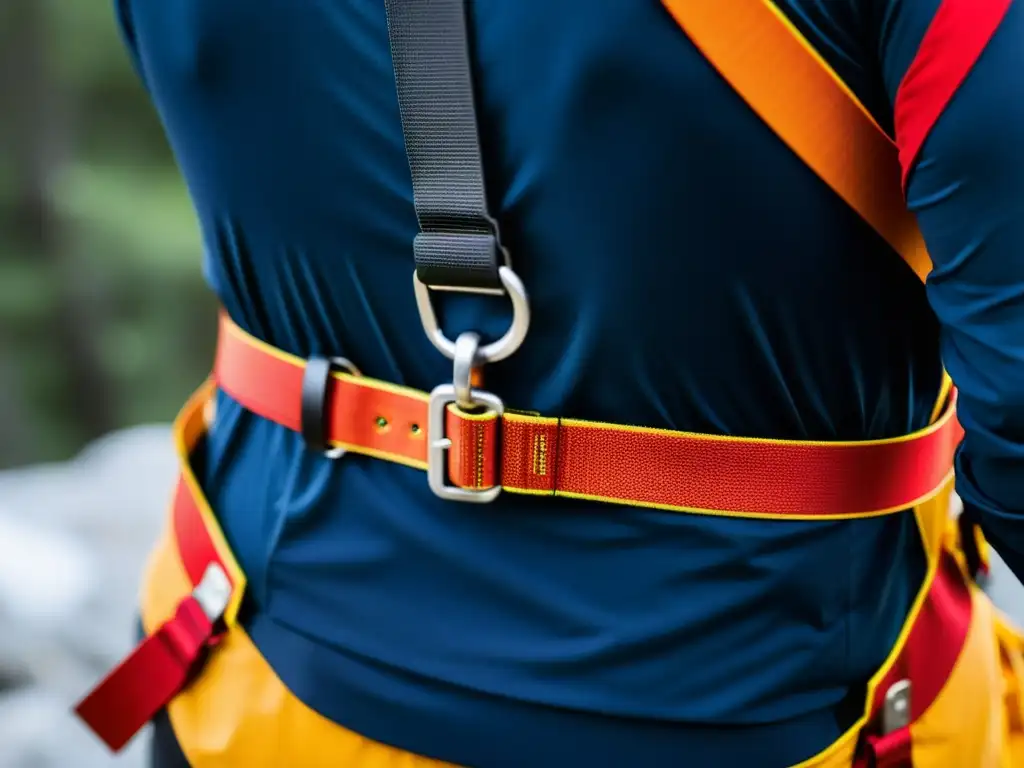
791,87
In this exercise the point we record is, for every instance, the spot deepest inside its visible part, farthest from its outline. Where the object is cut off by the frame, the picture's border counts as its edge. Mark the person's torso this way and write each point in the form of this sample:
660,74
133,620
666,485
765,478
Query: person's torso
685,271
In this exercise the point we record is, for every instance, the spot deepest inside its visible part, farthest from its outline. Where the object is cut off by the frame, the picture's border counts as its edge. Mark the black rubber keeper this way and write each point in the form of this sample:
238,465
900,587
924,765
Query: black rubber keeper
314,403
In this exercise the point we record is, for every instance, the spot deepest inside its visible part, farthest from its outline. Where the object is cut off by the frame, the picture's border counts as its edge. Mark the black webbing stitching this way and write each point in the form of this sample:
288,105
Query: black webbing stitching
457,245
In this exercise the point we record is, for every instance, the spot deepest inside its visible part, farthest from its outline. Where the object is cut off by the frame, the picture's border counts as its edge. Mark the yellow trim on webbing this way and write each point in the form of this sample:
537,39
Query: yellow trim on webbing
847,740
939,417
840,141
940,402
924,432
530,420
933,521
189,427
467,416
374,453
523,418
362,381
747,515
298,362
799,36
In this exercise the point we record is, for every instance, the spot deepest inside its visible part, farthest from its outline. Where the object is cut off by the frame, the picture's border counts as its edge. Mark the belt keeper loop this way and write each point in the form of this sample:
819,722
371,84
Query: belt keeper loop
314,403
316,380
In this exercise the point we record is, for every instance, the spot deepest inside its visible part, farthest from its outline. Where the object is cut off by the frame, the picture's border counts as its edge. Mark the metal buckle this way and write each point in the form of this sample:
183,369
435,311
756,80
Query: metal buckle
438,443
496,350
460,392
896,709
213,592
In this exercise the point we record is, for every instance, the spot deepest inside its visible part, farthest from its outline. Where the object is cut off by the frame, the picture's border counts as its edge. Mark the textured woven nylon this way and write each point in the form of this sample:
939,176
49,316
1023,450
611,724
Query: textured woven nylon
457,245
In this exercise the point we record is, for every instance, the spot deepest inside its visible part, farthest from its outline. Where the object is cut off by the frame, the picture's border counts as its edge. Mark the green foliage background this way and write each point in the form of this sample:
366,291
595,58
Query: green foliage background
104,317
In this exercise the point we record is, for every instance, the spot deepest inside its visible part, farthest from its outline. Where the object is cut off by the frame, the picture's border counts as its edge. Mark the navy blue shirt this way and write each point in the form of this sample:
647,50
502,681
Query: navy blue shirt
686,271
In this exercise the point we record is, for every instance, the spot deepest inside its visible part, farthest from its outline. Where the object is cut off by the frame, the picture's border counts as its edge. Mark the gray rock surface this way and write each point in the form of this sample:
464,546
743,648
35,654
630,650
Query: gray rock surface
73,539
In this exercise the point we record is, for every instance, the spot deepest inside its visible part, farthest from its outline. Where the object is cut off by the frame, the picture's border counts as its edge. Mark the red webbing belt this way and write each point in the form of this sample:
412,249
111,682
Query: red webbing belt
606,462
164,663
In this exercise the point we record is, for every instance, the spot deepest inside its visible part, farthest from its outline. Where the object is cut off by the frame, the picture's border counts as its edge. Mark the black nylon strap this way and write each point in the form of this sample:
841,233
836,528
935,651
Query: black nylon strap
313,409
458,243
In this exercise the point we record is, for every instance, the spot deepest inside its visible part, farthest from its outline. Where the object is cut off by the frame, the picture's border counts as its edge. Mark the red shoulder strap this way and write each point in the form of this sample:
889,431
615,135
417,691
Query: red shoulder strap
959,32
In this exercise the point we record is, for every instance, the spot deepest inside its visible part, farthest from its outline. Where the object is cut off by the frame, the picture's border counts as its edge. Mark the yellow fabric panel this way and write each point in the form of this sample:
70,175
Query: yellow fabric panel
238,714
935,523
964,727
1011,657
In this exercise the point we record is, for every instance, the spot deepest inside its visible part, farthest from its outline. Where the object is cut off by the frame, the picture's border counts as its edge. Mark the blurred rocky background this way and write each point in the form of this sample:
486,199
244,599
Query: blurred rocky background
73,538
104,319
105,325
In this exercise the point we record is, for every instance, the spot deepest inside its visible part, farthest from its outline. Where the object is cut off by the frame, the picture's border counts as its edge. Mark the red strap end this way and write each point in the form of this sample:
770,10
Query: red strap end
141,685
893,750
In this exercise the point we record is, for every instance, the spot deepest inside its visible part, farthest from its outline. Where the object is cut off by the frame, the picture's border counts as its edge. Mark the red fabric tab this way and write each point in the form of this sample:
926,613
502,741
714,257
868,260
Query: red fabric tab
893,750
474,449
951,47
142,684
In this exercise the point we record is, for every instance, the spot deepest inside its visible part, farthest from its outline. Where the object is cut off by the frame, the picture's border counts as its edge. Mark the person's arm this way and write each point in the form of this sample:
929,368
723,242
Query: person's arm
966,186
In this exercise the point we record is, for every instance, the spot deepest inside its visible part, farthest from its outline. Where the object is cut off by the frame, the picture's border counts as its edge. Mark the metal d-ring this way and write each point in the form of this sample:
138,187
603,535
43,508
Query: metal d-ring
496,350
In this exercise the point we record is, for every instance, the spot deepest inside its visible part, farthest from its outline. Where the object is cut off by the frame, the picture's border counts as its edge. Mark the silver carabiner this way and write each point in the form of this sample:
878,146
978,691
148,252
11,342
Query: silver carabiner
466,354
460,392
467,357
496,350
